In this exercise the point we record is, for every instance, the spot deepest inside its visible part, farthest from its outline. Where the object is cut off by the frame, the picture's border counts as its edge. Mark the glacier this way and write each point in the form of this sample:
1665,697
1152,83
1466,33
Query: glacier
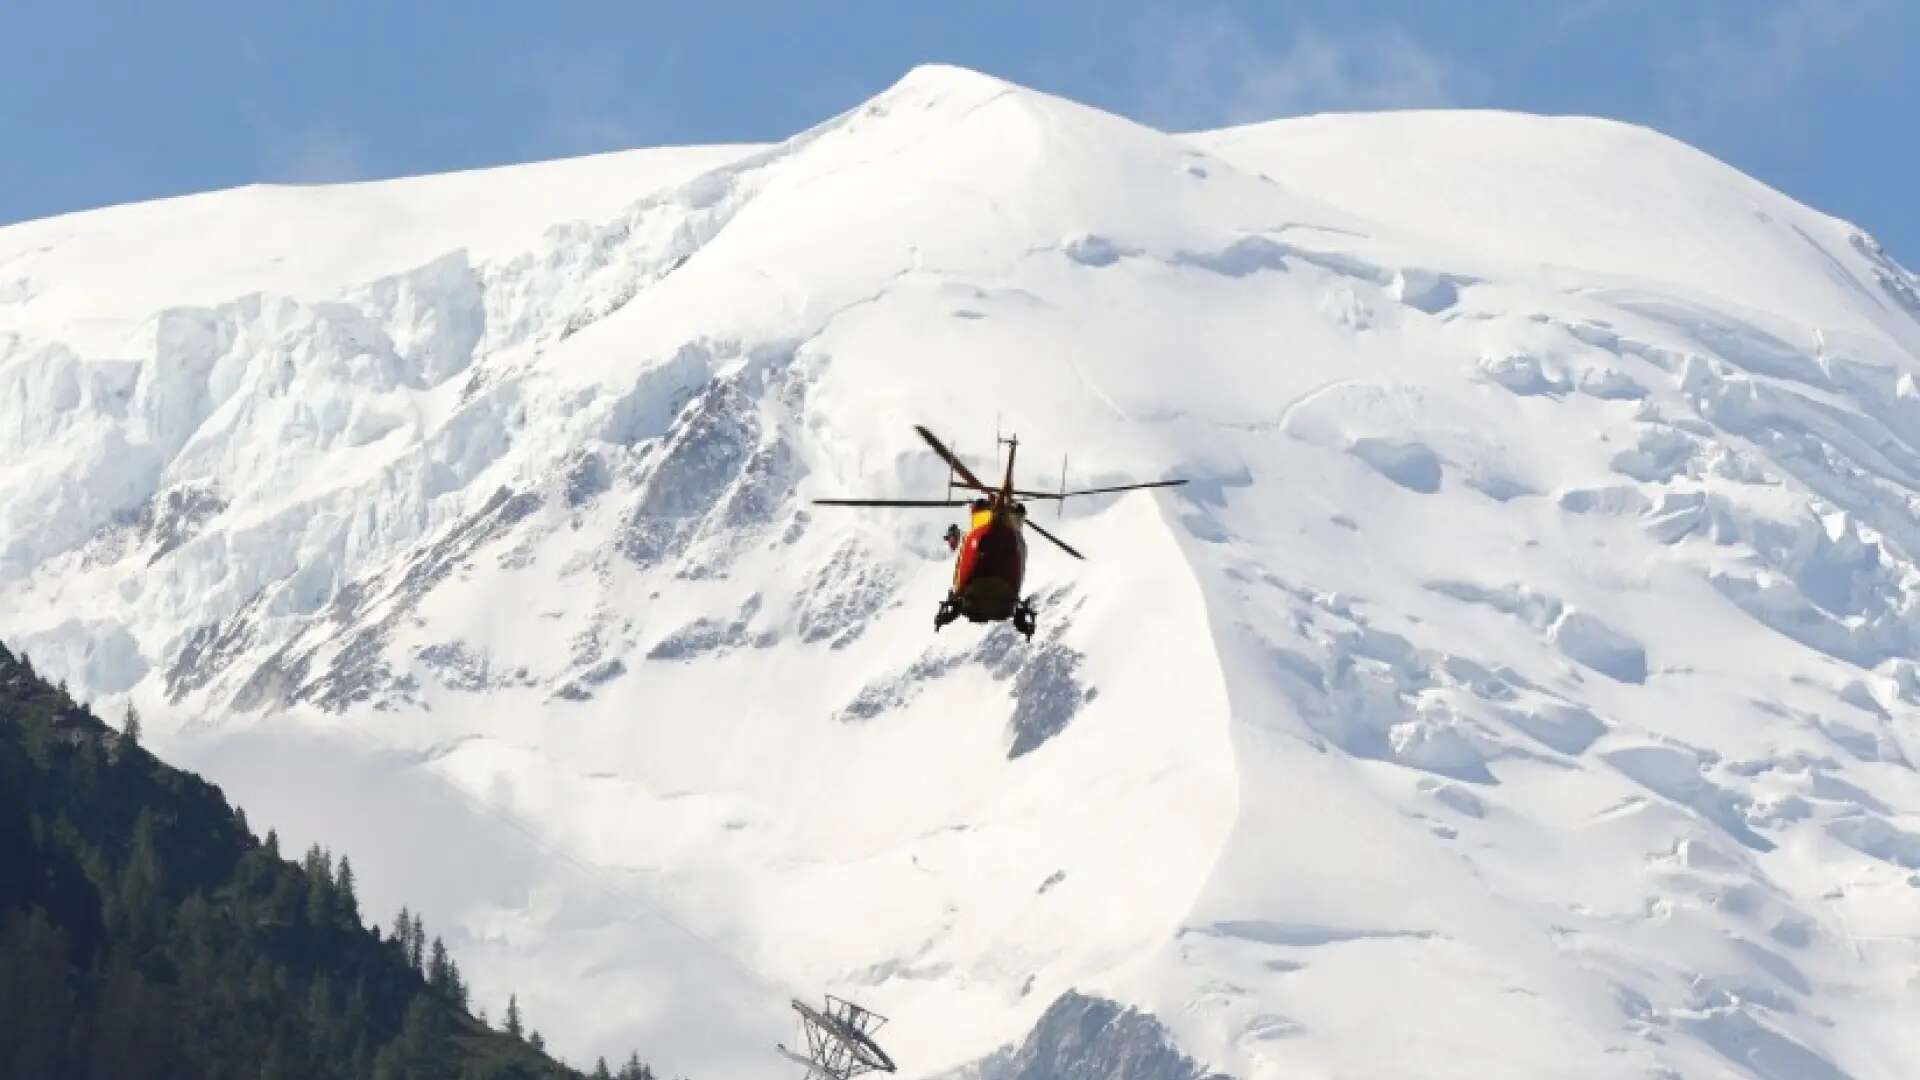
1523,685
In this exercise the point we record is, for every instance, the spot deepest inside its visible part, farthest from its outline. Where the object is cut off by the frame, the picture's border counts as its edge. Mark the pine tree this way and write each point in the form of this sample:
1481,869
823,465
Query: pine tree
634,1069
461,995
319,869
440,971
317,863
600,1070
321,1025
139,894
417,944
356,1013
514,1027
534,1040
319,1002
343,893
130,726
402,929
424,1045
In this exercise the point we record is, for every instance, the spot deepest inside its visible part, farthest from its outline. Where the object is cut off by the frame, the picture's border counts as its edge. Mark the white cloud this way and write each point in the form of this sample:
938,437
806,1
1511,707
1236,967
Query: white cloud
315,157
1212,71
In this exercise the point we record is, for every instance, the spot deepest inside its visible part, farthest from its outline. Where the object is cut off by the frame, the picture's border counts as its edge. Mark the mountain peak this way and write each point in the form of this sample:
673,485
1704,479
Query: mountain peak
948,79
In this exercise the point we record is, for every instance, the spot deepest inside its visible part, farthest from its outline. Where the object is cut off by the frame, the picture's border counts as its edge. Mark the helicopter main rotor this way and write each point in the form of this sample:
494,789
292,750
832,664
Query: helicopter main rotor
1000,500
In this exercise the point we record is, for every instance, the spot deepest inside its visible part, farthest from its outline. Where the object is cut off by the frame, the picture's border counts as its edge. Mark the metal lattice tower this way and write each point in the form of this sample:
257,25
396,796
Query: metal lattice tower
839,1041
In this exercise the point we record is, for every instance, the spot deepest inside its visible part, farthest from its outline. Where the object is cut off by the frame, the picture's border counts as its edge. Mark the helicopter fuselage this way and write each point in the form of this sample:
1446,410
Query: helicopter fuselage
990,562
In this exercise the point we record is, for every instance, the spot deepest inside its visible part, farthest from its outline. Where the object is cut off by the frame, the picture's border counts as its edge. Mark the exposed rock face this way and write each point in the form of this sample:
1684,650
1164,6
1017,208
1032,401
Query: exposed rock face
1091,1038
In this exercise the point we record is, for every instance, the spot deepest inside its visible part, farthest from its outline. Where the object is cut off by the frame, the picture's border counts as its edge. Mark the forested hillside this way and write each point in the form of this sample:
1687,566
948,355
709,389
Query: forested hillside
145,931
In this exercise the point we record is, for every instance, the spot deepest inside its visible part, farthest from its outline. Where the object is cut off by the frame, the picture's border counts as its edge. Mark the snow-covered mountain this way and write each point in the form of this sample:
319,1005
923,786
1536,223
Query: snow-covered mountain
1523,686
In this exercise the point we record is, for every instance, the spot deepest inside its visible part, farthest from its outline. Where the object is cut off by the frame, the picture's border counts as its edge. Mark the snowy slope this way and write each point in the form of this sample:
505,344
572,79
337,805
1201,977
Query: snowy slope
93,274
1625,202
1522,687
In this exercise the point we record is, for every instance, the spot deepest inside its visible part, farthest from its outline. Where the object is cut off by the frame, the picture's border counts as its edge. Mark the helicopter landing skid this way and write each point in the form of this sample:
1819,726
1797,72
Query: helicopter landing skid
949,611
1025,619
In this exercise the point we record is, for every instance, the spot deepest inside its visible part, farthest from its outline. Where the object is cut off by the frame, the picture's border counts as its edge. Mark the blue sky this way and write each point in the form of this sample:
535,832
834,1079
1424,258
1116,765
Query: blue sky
112,102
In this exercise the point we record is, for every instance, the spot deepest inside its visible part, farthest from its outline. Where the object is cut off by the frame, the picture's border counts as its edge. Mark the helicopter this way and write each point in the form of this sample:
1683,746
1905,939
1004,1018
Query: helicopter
990,556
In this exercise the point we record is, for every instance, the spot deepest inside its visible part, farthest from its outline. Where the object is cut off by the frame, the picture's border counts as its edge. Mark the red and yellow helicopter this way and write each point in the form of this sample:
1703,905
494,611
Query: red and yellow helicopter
991,555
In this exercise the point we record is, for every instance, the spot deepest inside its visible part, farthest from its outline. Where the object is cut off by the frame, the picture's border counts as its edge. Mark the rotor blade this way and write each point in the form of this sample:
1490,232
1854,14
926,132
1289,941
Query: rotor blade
1125,487
890,502
1057,542
1096,491
952,461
